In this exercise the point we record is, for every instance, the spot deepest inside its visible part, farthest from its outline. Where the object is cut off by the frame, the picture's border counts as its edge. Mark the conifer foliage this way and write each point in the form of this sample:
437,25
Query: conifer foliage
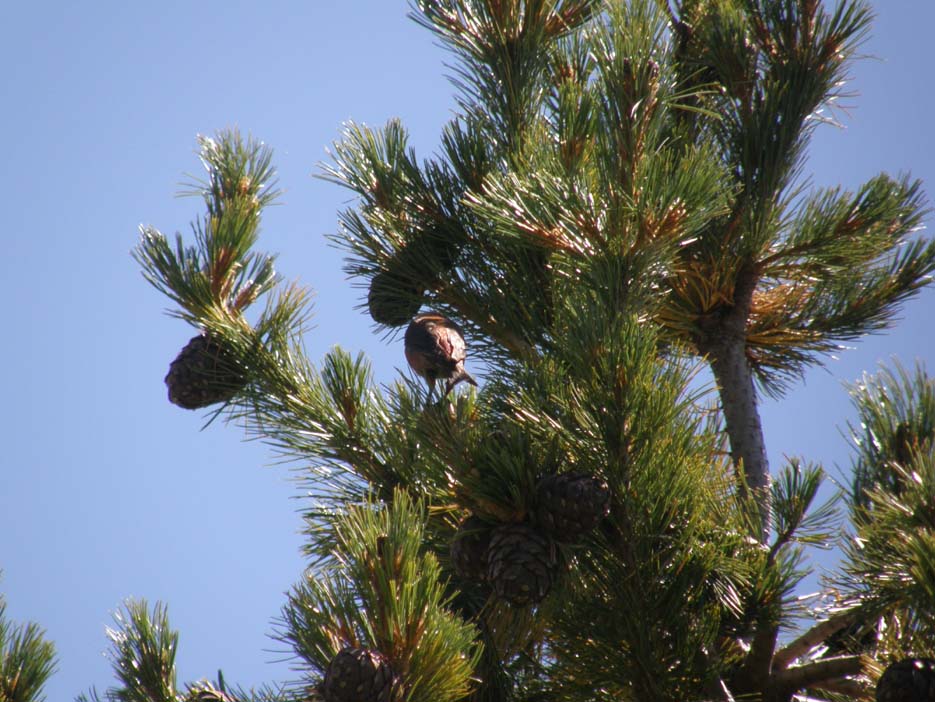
618,201
27,660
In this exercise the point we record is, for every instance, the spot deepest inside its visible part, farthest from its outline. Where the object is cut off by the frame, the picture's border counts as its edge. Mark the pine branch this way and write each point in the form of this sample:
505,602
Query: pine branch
239,175
834,229
220,270
852,689
862,241
27,660
382,592
779,573
890,564
795,521
801,63
871,299
143,654
335,416
817,673
813,637
502,50
896,409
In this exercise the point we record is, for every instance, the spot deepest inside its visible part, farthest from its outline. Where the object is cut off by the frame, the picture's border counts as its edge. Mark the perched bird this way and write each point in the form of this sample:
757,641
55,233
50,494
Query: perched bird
435,350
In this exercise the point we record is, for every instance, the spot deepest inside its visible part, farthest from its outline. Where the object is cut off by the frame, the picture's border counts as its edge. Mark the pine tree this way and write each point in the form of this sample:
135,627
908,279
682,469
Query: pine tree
617,203
27,660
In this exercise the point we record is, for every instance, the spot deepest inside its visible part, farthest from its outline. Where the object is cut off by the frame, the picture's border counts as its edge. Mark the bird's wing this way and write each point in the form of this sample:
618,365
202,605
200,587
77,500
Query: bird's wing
452,345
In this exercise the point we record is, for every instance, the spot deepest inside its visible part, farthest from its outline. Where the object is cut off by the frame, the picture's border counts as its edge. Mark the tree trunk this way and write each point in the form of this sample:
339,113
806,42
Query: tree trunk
738,400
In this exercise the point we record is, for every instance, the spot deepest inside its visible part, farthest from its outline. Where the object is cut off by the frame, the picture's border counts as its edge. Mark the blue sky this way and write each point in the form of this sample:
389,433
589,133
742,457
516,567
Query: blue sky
106,490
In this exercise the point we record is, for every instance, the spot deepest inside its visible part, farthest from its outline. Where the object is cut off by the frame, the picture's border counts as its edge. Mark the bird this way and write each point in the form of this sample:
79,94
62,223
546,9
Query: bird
435,350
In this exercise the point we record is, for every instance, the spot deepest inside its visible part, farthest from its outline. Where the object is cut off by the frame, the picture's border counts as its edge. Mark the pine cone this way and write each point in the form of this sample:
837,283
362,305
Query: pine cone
469,549
393,299
202,374
435,349
396,292
359,675
570,504
908,680
521,564
439,247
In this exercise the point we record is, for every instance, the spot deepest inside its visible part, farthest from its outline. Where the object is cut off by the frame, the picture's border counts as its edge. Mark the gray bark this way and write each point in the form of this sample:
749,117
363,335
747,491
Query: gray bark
738,401
723,339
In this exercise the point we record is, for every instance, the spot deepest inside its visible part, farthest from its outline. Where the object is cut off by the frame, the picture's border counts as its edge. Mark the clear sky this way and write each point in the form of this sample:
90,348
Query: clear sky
106,490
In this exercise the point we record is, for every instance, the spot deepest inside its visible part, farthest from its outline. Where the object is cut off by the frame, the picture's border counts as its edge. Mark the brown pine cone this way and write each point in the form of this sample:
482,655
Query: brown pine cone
202,374
908,680
570,504
359,675
521,564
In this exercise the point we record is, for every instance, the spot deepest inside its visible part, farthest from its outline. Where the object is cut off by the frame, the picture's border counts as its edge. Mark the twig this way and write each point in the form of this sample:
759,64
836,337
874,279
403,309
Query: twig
811,638
850,688
812,674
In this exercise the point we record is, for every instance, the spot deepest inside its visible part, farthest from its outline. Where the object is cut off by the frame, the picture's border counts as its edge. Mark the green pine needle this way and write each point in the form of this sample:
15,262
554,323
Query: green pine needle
383,592
220,270
143,654
27,660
